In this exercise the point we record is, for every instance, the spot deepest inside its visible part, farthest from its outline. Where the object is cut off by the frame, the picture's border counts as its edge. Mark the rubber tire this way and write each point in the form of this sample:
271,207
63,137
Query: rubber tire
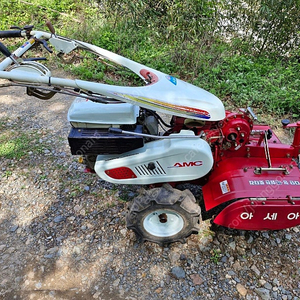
183,203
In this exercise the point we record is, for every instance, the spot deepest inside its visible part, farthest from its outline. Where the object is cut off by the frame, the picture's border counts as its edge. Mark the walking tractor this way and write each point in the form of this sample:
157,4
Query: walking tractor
250,180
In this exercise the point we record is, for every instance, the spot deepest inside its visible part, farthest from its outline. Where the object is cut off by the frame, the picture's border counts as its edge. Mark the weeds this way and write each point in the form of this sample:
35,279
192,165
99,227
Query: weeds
215,256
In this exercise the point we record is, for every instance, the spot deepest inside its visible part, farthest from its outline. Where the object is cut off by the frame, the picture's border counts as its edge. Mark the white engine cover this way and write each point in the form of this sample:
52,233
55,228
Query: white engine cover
167,160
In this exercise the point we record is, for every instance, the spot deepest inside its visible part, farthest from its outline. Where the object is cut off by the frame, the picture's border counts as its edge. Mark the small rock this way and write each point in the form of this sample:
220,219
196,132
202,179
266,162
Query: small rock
268,286
265,235
183,257
116,282
13,228
263,293
178,272
38,285
237,266
288,236
86,188
232,245
123,231
197,280
262,282
241,289
51,255
255,270
224,259
97,295
250,240
174,257
52,250
59,219
2,247
296,229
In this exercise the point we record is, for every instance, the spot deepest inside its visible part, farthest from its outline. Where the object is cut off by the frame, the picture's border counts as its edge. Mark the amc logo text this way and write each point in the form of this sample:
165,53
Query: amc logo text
184,164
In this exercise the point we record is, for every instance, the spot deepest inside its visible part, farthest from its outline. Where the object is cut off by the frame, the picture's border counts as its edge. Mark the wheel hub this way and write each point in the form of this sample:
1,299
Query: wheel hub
163,223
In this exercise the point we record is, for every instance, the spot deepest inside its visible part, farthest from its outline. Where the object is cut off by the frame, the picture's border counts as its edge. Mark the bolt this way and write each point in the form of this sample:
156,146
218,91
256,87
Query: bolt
163,218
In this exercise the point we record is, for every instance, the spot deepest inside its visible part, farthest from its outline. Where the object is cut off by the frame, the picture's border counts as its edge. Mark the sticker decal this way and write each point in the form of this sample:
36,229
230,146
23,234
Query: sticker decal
224,187
193,112
172,79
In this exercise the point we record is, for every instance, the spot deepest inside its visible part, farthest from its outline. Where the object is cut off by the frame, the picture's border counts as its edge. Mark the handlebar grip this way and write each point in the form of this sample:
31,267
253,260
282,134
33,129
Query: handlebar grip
10,33
4,50
50,26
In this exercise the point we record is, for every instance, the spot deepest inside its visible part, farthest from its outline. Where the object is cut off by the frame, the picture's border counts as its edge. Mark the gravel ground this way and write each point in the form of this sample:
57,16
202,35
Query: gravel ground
63,233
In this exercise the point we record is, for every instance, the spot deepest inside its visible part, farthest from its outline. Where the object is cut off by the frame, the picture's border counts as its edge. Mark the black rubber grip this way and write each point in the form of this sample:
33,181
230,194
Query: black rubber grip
10,33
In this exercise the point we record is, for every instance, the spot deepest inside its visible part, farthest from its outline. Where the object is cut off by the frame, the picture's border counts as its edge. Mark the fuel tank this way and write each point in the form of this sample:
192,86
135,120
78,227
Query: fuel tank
84,113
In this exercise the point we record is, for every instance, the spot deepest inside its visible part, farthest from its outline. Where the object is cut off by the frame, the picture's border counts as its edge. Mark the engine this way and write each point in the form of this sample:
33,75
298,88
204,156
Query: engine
136,156
135,153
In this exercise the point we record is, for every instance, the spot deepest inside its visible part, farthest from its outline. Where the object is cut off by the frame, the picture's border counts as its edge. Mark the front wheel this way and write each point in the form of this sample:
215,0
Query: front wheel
164,215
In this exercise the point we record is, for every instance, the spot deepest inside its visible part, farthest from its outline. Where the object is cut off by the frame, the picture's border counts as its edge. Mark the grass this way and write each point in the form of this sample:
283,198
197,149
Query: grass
14,147
15,144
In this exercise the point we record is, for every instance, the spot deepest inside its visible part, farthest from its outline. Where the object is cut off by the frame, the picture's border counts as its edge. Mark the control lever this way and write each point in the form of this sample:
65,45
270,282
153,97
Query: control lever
250,111
50,26
7,53
4,50
44,43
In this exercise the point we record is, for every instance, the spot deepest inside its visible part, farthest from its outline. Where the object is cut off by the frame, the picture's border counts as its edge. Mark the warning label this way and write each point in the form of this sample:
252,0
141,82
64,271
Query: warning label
224,187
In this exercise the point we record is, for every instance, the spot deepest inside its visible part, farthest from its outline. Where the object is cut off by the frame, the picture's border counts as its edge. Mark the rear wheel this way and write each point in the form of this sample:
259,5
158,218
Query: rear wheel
164,215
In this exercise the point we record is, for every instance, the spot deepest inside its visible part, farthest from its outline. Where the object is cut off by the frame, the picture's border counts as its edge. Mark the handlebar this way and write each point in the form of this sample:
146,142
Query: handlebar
10,33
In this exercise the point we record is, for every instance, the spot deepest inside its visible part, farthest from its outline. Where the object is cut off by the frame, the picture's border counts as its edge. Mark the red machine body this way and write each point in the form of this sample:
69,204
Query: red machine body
255,180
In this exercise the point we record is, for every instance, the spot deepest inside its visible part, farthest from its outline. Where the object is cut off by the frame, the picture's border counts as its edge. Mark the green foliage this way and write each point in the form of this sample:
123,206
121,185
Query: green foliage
236,50
262,27
268,85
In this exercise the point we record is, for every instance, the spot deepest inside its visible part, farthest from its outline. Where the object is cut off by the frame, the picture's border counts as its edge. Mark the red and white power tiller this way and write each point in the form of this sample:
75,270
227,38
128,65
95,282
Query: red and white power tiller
249,178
